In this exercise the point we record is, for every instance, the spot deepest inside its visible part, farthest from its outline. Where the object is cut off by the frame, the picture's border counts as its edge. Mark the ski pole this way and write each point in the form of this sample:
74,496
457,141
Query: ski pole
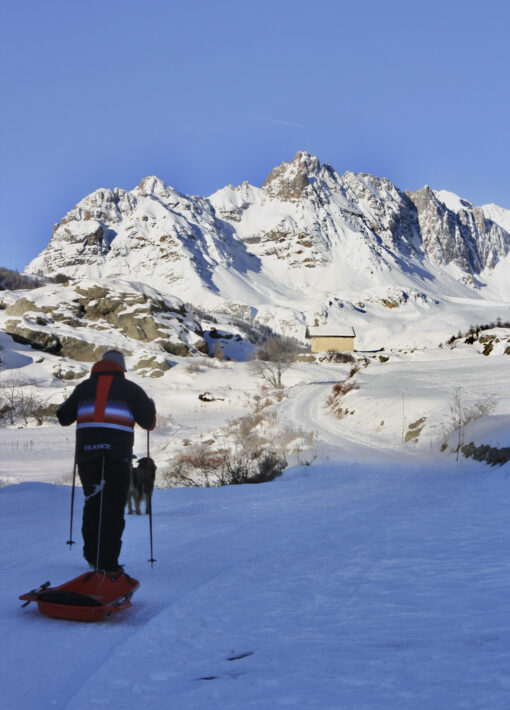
100,516
151,559
71,542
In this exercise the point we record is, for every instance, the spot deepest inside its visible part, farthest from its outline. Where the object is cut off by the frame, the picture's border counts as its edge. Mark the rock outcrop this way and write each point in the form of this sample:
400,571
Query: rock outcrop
77,321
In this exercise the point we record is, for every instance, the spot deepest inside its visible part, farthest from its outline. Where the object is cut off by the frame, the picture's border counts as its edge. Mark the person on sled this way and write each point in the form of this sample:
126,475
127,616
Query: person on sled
105,408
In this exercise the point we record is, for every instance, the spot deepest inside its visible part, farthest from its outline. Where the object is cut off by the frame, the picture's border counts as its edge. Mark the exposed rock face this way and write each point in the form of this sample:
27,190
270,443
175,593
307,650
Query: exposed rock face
50,342
152,366
40,340
385,211
90,227
466,238
289,180
23,305
69,373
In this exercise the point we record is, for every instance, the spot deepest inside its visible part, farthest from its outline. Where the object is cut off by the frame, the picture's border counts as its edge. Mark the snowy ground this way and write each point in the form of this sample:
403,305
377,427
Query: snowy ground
338,585
377,577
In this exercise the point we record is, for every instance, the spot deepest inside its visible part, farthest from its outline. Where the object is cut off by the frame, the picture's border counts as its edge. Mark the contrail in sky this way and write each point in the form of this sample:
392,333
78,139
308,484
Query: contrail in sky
274,120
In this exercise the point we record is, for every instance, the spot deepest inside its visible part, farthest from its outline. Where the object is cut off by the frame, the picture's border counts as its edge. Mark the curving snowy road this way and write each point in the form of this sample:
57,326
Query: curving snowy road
391,398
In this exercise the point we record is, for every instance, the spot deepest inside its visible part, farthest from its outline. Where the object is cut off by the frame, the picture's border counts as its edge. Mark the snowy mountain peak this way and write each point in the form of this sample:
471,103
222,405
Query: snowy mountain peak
307,239
151,185
453,201
289,180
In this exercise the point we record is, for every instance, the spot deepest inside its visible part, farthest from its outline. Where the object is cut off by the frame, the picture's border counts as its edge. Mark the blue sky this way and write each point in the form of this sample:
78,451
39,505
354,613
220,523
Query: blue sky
205,93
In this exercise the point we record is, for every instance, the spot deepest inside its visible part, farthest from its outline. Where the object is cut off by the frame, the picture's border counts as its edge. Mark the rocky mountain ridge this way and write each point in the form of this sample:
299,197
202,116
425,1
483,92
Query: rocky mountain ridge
308,242
108,225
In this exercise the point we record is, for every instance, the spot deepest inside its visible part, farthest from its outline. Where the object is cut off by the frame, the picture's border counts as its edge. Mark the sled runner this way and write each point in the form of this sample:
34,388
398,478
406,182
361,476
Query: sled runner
91,597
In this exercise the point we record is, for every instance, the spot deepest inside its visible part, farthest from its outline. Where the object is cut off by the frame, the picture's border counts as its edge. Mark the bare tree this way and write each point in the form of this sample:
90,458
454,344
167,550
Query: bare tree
457,412
275,355
463,413
8,397
18,398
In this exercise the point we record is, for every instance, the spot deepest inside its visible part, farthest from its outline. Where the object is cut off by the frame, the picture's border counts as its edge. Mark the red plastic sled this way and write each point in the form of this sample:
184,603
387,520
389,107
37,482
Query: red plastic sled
90,597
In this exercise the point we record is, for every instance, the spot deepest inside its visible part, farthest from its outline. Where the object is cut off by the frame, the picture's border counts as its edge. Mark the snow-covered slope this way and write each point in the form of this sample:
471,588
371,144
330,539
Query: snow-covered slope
152,234
498,215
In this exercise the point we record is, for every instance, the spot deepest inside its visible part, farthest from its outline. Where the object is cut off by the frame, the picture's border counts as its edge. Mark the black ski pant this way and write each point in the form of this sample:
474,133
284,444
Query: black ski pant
103,512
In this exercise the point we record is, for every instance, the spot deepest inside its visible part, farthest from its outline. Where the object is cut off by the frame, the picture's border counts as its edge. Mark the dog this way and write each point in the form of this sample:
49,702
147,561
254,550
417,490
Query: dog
141,485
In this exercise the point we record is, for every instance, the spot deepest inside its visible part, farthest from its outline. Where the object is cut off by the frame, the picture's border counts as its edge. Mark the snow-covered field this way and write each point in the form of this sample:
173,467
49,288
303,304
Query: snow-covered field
341,584
372,574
